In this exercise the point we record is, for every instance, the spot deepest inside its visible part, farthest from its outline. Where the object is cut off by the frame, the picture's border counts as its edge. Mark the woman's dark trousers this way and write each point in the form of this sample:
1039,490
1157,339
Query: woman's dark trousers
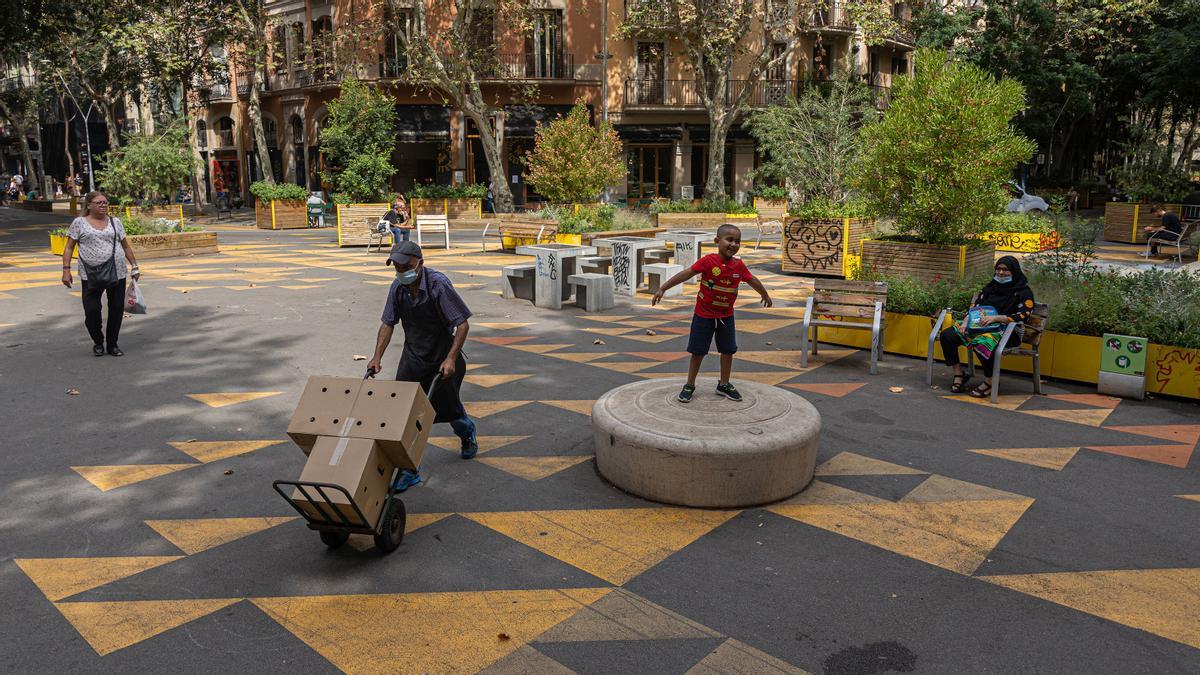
91,312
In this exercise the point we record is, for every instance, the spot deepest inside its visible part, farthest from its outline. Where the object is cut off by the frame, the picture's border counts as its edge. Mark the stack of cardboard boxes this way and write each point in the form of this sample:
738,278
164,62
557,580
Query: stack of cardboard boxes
356,433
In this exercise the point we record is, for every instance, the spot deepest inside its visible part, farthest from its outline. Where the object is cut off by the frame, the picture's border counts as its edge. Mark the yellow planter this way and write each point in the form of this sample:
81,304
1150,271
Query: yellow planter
1174,371
1023,242
58,244
572,239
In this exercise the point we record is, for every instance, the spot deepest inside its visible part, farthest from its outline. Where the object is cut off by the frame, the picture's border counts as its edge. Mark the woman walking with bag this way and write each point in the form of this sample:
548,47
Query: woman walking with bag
101,270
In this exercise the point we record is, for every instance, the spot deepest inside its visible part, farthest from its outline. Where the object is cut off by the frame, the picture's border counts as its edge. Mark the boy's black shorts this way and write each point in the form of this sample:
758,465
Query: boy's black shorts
703,331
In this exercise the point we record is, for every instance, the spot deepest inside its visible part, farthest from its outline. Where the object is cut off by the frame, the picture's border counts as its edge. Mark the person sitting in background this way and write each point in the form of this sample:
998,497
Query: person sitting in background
1007,295
397,219
1167,231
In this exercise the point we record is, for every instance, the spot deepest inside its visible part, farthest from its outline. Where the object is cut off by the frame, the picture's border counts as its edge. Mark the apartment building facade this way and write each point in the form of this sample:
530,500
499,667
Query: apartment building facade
644,87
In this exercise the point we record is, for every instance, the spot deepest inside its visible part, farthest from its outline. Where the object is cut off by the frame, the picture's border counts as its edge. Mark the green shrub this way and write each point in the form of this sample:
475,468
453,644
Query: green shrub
1031,223
703,206
585,218
357,138
913,296
148,166
573,161
135,225
772,192
287,192
430,191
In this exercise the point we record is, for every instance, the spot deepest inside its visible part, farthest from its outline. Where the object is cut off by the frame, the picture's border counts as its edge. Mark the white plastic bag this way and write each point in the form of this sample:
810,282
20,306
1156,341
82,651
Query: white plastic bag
134,302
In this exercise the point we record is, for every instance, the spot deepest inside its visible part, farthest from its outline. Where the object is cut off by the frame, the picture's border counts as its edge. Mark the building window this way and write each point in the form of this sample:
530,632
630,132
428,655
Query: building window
395,59
650,70
297,44
322,47
225,132
271,132
649,174
201,134
780,69
279,59
297,130
544,45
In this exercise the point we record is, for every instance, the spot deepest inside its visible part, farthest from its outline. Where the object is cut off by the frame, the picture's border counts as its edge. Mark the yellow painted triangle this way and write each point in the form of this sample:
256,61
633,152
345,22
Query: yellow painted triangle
486,443
539,348
579,357
1195,498
642,323
490,381
954,535
733,656
534,468
109,626
653,339
110,477
583,407
851,464
791,358
1159,601
220,400
424,632
1092,417
301,287
819,492
194,535
1006,401
760,326
476,366
628,366
791,312
613,544
1046,458
63,577
605,318
610,330
502,326
186,289
211,451
623,615
944,489
415,521
479,409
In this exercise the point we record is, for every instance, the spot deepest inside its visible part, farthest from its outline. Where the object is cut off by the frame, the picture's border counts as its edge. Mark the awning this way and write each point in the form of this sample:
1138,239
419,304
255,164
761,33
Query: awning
521,121
699,134
649,133
422,124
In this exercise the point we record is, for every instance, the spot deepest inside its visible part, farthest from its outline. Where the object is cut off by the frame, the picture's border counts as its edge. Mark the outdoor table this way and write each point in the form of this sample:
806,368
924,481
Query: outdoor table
628,255
687,244
555,262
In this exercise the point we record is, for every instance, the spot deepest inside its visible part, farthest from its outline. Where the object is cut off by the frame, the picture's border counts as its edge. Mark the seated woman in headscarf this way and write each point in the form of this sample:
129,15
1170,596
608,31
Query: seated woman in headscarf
1005,299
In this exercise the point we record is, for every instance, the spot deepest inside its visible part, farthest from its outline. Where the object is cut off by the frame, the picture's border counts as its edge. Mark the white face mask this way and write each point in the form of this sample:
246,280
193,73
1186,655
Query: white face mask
1001,280
408,277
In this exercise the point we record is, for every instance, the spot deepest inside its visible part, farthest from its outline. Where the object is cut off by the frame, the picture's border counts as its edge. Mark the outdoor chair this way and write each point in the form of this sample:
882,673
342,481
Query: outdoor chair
1028,346
845,300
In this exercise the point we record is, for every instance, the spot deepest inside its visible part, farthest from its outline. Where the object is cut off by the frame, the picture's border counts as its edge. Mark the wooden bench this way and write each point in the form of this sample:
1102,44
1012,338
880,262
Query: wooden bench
1029,344
770,223
657,274
518,282
599,264
432,225
593,292
539,231
848,300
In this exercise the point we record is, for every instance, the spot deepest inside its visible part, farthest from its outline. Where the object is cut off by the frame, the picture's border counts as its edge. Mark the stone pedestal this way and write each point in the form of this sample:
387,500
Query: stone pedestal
711,452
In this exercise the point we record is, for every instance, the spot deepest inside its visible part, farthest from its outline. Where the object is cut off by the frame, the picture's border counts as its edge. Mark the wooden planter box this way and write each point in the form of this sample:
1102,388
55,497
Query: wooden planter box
154,246
1023,242
700,221
824,247
171,212
926,262
772,208
426,207
1123,221
464,207
280,215
355,222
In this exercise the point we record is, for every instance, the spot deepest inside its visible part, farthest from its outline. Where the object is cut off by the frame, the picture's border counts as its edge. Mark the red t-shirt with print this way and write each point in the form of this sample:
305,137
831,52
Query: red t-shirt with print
719,281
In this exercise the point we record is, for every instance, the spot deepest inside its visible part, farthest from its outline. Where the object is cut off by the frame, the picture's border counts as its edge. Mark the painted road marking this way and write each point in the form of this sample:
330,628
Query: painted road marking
194,535
60,578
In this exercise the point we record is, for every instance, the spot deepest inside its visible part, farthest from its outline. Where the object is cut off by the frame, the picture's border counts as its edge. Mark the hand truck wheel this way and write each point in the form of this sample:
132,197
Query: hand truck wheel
393,527
334,539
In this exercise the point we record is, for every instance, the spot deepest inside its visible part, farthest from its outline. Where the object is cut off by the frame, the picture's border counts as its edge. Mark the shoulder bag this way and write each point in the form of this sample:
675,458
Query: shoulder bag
103,275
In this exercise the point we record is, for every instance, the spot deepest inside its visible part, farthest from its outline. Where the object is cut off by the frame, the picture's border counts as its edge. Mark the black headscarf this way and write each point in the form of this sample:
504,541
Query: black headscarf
1007,298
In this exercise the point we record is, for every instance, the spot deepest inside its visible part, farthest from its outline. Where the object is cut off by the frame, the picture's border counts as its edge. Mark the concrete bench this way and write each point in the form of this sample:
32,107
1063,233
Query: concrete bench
518,282
657,274
601,264
593,292
659,255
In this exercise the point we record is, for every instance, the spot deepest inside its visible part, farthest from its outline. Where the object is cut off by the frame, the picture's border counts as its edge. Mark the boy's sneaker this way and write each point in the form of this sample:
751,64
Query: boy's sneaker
406,480
729,391
685,396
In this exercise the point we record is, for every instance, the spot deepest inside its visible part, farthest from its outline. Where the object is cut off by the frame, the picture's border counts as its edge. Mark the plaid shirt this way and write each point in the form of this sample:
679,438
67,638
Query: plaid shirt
434,286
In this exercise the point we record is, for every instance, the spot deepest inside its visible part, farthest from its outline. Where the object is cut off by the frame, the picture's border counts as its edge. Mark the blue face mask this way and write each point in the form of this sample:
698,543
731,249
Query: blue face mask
1001,280
408,277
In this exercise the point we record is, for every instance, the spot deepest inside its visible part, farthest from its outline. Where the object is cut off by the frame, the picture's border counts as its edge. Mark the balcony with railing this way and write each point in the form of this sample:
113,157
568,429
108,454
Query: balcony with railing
557,66
244,82
832,17
214,91
652,93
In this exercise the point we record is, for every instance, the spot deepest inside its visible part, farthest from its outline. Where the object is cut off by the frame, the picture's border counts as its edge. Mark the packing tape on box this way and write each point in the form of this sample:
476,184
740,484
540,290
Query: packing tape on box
343,441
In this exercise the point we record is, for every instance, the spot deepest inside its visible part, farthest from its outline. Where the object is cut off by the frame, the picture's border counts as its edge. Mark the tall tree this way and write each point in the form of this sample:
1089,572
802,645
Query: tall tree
453,60
251,32
731,37
20,96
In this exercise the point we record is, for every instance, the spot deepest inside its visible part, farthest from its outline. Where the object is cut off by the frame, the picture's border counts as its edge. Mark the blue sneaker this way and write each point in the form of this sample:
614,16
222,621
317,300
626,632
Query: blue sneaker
465,428
406,480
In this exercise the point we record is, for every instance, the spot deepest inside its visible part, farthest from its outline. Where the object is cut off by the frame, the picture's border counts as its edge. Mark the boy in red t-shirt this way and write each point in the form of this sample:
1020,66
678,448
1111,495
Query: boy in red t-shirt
722,273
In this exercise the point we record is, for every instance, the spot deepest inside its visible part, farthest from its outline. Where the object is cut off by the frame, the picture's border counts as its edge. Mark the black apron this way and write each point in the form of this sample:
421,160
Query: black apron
427,342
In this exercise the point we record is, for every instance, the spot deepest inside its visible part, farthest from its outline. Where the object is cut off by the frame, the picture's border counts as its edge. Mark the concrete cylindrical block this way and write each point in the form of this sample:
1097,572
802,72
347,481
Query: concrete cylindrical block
711,452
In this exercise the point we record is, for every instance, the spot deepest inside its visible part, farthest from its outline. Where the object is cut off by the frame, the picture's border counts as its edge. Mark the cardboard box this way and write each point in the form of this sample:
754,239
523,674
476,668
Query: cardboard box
396,415
323,410
358,465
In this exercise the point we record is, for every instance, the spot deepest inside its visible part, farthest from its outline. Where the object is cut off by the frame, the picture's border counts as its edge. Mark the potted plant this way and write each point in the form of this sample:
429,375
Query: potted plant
279,206
811,144
770,198
937,163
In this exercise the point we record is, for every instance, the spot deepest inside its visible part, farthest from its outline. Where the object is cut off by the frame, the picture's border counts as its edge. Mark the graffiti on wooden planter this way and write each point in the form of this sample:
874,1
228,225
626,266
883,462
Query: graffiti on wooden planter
1176,371
1023,242
814,245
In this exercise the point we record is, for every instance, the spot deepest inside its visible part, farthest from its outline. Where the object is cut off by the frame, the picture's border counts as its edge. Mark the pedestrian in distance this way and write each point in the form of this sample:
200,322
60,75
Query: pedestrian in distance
721,274
398,220
434,318
103,256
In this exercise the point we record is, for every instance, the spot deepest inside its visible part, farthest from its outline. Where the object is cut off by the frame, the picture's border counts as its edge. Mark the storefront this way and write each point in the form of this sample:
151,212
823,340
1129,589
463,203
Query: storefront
422,152
649,161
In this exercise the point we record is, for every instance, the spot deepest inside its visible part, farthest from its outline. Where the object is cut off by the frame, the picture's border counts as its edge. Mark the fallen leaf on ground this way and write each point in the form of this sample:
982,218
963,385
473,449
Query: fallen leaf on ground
650,332
597,341
769,342
228,472
503,637
72,392
895,390
359,357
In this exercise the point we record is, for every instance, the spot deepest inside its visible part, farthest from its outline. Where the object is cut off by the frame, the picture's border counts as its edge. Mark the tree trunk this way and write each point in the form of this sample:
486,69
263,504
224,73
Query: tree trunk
108,112
62,105
501,194
198,171
254,109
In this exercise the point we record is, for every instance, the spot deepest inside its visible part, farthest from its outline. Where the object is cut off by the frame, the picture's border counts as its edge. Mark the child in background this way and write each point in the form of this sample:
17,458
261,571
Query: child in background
721,274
